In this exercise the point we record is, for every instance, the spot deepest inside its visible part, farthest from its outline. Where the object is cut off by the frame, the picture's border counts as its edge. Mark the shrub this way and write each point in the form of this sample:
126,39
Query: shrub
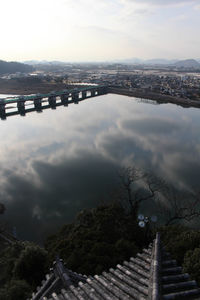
192,263
178,245
8,257
31,265
125,249
98,239
171,232
15,290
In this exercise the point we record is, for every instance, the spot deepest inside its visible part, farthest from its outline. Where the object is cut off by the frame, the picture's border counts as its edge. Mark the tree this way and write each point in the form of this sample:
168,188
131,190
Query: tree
191,263
178,244
15,290
98,239
31,264
179,206
2,208
137,187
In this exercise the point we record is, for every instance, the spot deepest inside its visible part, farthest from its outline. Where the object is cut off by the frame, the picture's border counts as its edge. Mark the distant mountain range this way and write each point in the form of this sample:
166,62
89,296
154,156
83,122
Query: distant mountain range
156,61
28,66
188,63
44,62
13,67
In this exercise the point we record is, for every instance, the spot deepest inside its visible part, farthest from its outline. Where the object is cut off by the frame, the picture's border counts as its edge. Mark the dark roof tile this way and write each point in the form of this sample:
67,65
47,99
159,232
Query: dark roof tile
151,275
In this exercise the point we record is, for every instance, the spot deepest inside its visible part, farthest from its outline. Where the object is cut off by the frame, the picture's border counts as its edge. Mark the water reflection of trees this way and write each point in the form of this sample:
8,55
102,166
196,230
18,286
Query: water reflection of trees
147,101
138,187
2,210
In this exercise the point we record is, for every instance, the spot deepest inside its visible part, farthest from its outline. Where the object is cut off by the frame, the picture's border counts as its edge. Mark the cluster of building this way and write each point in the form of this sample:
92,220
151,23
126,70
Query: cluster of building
183,86
179,84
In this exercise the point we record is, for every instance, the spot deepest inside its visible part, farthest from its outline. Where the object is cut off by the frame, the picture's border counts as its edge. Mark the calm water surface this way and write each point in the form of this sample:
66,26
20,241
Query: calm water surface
60,161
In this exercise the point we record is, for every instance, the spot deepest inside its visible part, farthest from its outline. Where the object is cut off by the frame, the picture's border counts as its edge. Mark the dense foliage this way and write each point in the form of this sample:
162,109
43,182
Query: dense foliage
15,290
98,239
23,266
184,246
192,263
2,208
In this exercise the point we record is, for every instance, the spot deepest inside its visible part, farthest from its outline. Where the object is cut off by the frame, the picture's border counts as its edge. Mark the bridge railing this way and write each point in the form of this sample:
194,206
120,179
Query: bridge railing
46,95
67,96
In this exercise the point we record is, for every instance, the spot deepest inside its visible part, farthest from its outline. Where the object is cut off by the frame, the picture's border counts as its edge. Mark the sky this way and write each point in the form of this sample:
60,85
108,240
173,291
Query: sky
99,30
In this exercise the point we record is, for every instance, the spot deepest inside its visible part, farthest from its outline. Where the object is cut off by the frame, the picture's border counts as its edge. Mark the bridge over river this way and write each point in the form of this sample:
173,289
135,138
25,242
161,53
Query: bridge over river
65,96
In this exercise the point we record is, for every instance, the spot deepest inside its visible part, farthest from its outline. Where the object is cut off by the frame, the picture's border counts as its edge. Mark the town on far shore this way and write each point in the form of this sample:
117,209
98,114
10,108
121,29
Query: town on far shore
179,79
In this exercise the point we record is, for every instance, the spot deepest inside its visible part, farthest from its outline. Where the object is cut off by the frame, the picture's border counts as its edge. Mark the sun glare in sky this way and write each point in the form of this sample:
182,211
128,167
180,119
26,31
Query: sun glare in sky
93,30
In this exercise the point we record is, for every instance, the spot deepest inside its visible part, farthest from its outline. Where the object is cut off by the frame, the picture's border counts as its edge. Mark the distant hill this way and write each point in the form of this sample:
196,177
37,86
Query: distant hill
31,62
44,62
13,67
188,63
160,61
156,61
133,60
151,62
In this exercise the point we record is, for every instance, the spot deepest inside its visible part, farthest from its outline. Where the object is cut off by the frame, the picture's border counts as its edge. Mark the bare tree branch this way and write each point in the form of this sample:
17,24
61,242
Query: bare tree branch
2,208
137,187
180,207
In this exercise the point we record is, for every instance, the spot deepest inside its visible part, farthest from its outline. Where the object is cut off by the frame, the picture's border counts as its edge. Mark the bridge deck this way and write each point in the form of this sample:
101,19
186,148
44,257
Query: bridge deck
33,97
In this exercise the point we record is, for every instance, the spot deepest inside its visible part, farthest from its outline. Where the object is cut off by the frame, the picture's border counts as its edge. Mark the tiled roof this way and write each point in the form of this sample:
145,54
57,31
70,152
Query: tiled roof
151,275
7,238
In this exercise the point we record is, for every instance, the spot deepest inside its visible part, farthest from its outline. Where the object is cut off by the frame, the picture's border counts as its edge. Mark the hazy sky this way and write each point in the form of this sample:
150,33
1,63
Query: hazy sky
86,30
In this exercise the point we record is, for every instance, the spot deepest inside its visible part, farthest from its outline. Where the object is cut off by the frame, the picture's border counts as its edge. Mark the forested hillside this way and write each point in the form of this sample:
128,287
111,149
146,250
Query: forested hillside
13,67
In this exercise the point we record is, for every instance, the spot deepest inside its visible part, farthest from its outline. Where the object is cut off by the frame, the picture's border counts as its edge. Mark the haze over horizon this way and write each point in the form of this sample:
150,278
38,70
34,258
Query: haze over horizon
91,30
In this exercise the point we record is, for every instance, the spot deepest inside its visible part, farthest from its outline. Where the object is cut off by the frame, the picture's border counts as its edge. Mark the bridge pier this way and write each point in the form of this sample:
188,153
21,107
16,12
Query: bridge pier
64,99
52,101
21,106
75,97
66,96
102,90
22,111
2,108
84,94
38,104
3,111
93,93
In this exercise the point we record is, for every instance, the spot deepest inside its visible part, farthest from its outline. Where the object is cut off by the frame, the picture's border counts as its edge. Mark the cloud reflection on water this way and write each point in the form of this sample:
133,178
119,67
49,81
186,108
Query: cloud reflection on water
55,163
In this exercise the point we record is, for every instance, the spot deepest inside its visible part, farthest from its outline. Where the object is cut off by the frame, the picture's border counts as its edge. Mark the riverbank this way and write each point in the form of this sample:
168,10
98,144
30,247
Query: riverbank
17,87
159,98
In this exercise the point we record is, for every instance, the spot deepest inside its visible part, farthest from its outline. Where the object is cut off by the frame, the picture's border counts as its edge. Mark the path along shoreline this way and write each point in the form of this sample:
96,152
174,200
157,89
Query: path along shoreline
159,98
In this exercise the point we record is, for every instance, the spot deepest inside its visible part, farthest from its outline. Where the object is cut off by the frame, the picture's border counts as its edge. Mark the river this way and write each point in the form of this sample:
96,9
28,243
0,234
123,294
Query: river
55,163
